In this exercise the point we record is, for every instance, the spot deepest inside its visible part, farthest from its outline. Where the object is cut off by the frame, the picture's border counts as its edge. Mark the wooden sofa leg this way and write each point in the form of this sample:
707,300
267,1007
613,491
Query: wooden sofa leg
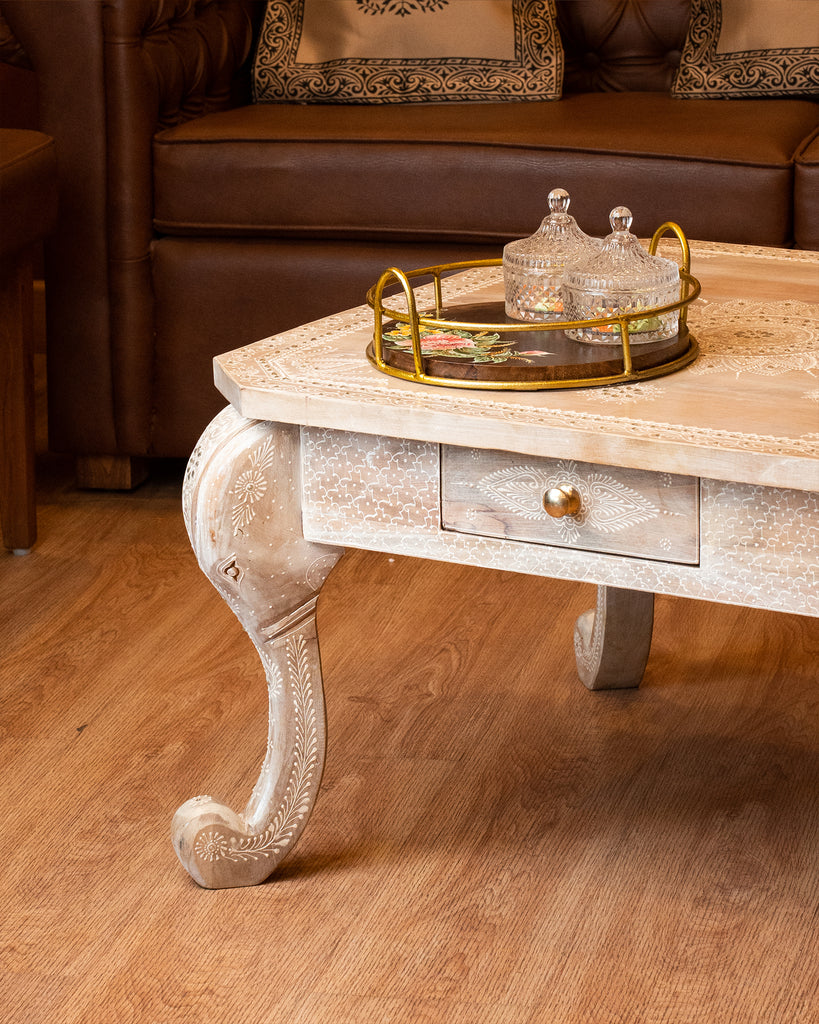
110,472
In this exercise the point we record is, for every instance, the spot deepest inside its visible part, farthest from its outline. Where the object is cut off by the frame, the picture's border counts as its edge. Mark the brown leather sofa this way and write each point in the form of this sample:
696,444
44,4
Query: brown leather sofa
193,222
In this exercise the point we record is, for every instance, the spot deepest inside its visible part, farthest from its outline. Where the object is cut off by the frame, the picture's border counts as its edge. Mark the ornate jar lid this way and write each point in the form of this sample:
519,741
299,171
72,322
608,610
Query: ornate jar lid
534,267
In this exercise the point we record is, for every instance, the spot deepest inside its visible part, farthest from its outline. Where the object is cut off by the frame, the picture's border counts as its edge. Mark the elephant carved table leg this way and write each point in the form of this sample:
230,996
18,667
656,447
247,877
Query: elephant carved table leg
242,502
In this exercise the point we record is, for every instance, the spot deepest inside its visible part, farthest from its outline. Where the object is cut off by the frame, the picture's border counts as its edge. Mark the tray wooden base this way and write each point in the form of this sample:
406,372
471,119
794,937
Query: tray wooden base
526,357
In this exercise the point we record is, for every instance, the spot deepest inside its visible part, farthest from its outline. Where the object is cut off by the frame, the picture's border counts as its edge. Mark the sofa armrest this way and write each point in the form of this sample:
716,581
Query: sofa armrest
110,73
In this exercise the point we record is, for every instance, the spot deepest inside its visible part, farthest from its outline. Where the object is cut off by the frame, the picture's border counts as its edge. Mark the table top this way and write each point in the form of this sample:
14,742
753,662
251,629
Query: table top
746,410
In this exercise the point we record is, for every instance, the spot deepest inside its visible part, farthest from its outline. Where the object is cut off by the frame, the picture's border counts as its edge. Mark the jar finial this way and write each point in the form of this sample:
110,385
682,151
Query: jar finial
620,218
559,200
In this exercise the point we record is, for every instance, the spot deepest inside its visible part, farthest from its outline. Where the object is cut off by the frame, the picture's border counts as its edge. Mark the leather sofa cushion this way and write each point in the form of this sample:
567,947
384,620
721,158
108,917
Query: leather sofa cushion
481,173
806,196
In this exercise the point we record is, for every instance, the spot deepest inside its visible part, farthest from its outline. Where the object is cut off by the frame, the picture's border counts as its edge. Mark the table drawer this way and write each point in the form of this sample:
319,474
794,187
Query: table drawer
608,509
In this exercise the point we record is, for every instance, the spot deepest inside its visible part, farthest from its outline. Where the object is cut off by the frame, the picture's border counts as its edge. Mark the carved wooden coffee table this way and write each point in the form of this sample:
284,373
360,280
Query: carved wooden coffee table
701,484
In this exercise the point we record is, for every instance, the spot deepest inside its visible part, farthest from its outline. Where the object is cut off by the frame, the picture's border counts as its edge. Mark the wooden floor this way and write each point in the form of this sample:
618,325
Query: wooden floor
492,843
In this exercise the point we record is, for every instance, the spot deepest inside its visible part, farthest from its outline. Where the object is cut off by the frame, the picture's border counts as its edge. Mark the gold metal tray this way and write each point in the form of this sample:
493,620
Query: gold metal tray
497,352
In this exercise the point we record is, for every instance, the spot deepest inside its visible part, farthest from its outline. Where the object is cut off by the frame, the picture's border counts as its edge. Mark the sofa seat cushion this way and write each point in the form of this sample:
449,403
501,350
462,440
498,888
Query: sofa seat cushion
481,173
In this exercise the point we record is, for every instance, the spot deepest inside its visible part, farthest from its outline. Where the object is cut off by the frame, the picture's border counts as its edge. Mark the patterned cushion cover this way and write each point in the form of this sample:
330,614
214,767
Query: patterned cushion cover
408,51
750,48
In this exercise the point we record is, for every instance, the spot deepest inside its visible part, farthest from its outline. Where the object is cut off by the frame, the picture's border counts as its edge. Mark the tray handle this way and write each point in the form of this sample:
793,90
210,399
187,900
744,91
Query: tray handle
393,274
685,264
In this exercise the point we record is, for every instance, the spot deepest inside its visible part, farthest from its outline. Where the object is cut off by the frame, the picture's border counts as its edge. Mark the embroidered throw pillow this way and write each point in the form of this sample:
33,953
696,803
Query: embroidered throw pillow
408,51
750,48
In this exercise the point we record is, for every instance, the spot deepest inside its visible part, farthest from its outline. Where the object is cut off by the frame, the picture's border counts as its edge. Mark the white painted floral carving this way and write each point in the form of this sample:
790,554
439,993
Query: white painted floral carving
251,486
763,339
213,844
606,504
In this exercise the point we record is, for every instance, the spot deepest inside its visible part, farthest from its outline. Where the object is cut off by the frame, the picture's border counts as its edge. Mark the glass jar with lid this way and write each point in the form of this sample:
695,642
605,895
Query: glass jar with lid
621,277
534,267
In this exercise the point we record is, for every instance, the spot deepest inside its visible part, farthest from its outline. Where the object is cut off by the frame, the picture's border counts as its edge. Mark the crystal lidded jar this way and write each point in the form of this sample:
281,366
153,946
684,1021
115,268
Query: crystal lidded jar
621,277
534,267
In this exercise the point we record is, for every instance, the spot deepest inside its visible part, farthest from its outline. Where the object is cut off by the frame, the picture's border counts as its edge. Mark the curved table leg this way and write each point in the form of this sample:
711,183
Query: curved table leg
612,641
243,512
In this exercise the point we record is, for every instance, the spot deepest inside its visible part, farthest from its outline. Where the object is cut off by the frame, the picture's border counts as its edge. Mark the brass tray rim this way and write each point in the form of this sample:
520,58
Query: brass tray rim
690,289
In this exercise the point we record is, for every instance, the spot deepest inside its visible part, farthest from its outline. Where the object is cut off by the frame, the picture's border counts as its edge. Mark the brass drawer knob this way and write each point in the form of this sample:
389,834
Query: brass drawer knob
562,501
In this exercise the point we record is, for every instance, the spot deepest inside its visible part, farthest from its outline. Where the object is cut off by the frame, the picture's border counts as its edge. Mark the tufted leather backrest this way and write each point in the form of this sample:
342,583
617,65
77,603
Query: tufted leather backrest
186,53
609,45
621,45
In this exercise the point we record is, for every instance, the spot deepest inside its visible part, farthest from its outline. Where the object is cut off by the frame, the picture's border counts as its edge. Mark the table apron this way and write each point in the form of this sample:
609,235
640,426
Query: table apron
757,545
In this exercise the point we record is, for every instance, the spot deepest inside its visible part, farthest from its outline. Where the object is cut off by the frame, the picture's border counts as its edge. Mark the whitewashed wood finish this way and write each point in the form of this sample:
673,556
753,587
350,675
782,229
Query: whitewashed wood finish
241,503
622,511
612,641
269,506
747,420
758,545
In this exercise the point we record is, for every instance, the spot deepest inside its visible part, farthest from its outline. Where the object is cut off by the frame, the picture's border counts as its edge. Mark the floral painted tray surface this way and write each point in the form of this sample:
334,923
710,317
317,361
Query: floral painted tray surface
516,356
